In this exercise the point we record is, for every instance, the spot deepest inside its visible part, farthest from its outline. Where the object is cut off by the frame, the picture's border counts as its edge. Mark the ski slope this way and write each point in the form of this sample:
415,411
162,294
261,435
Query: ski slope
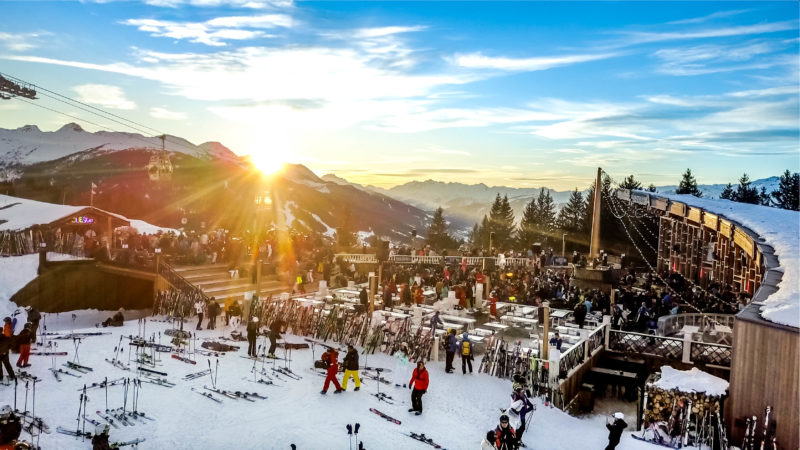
458,409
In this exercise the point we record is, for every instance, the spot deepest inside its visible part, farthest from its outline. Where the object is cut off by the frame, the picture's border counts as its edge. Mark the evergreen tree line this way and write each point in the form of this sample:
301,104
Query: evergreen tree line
541,223
786,196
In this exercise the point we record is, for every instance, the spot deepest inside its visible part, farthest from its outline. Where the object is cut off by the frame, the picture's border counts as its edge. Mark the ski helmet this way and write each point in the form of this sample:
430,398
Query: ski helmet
516,386
504,418
5,410
619,415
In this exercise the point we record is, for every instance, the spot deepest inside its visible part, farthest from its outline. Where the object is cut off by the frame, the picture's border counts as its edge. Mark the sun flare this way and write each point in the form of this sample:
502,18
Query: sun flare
267,162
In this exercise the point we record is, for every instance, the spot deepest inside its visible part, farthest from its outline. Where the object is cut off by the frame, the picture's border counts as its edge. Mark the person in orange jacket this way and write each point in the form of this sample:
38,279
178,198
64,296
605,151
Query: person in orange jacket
419,386
7,331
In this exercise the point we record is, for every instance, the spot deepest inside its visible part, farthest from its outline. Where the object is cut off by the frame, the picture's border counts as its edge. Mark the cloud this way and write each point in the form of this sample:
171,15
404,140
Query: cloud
712,16
104,95
249,4
377,32
713,58
163,113
641,37
216,31
480,61
19,42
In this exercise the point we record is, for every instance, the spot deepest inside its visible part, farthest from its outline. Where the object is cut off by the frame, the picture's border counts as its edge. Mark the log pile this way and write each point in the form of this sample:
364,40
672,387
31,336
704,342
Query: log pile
661,403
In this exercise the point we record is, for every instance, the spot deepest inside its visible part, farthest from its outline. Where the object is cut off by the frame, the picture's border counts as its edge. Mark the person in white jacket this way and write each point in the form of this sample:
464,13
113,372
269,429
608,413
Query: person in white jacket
199,308
400,372
488,441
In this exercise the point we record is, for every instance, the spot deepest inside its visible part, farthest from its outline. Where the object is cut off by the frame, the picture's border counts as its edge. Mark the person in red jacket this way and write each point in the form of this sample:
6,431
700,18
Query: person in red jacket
419,386
331,358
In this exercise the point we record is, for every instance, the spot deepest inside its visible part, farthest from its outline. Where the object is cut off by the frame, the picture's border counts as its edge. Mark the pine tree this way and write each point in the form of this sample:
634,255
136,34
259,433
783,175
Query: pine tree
787,196
501,218
485,229
630,183
474,237
651,188
763,197
526,233
570,218
727,193
688,185
745,192
546,219
438,238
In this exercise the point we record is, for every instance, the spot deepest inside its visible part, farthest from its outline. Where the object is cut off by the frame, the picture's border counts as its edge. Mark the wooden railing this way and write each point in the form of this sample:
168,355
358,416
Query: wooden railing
361,258
670,325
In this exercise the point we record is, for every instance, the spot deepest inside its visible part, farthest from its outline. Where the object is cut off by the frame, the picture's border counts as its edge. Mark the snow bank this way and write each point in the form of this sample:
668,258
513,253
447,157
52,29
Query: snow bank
781,229
694,380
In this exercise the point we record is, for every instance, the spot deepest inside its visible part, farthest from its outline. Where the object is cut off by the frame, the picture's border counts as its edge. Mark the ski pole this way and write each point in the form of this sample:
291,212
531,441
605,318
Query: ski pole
216,372
210,373
106,386
26,396
33,400
350,434
15,394
358,425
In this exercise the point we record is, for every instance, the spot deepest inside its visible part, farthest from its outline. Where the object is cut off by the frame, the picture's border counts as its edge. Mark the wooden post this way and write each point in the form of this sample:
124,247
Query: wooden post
546,331
595,239
258,277
373,287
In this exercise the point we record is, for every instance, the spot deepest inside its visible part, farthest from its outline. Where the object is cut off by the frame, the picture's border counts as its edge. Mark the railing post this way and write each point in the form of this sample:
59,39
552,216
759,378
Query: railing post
687,348
584,333
607,331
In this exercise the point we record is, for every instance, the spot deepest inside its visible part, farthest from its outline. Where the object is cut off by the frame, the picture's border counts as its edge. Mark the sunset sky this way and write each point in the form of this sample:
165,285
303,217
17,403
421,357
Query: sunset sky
520,94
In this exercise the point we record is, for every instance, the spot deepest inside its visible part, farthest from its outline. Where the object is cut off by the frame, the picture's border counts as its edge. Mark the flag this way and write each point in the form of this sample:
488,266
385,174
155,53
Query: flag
94,186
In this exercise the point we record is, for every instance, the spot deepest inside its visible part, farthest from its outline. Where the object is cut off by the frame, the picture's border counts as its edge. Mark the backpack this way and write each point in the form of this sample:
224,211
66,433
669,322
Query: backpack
465,348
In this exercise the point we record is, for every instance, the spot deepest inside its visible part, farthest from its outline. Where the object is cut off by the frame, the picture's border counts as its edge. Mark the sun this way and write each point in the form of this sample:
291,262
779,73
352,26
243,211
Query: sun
267,162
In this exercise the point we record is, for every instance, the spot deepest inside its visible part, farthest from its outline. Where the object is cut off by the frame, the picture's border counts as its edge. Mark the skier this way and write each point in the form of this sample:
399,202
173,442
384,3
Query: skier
493,304
351,367
213,311
400,365
466,353
252,334
331,358
419,386
520,407
199,307
615,430
100,438
24,340
10,427
452,347
274,335
33,317
488,441
5,347
504,436
363,297
235,313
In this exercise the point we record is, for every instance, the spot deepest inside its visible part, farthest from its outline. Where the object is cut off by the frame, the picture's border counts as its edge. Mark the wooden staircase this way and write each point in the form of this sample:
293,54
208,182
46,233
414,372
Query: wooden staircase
215,281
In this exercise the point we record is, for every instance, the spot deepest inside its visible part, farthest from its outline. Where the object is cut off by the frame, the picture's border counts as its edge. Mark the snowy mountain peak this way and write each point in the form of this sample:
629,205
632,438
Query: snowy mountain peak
29,145
28,128
72,126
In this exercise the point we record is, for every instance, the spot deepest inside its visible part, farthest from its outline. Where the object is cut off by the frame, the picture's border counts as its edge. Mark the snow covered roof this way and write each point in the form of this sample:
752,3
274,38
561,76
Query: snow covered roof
693,380
22,213
779,228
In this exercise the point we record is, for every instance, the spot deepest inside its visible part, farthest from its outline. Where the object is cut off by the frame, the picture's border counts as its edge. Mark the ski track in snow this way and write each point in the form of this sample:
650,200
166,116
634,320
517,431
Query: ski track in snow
459,409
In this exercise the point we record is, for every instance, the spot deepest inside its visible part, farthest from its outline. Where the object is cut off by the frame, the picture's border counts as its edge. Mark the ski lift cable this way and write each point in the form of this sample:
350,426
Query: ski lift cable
100,113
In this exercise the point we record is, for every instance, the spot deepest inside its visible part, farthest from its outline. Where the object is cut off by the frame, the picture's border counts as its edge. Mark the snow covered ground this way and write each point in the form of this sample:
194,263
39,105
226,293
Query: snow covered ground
459,409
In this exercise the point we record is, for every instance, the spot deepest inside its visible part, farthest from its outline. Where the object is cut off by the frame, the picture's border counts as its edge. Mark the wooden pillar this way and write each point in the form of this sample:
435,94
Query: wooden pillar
258,277
594,247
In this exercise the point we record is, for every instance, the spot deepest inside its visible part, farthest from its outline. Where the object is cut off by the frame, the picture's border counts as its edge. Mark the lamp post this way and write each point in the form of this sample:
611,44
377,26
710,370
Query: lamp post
563,245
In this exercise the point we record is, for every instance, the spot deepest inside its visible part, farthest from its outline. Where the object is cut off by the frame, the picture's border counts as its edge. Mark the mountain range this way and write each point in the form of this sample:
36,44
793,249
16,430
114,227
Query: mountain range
60,167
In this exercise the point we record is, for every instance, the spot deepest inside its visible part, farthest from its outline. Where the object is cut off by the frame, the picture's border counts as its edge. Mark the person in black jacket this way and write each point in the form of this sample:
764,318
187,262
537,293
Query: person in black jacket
10,426
274,335
504,436
363,297
351,367
213,311
5,347
252,334
615,430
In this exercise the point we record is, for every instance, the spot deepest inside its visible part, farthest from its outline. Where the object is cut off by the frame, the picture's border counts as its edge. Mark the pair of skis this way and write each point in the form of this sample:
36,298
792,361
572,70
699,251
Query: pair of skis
385,416
78,367
384,398
195,375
